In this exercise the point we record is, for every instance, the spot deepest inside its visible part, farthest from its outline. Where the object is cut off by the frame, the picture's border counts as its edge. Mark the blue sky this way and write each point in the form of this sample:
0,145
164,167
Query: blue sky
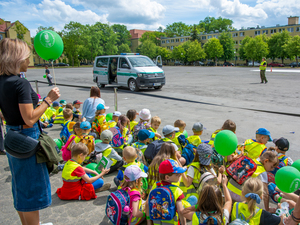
146,14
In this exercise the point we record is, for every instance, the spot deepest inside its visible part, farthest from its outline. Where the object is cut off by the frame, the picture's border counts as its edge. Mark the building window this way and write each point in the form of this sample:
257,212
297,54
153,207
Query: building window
257,32
187,39
167,41
240,42
236,42
172,47
172,40
265,31
168,47
163,42
209,37
177,40
297,29
242,34
290,29
234,34
215,36
203,38
281,29
182,39
273,31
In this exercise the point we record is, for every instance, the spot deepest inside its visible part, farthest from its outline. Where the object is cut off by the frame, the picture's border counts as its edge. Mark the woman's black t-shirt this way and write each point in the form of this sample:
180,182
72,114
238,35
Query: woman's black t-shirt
13,91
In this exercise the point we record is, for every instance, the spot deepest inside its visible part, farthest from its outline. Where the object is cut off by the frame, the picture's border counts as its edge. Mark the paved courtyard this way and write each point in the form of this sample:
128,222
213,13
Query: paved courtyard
209,95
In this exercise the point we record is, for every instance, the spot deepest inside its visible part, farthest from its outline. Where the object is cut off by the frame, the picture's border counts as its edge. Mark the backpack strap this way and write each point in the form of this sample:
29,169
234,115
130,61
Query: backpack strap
69,141
198,215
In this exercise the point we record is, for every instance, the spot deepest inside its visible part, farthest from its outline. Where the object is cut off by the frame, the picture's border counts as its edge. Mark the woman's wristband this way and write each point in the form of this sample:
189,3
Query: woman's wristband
46,102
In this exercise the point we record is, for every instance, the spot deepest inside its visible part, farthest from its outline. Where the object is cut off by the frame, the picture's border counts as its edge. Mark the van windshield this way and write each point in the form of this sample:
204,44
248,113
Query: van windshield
141,62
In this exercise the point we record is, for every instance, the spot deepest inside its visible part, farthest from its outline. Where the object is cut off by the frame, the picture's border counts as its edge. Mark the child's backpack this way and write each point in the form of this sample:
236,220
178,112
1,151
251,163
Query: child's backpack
119,206
271,174
88,140
216,158
99,124
241,169
162,203
205,221
118,139
66,153
65,133
152,149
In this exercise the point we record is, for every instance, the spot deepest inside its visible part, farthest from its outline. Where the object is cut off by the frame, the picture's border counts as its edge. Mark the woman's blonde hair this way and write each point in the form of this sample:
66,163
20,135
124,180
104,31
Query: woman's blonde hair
255,186
131,184
13,52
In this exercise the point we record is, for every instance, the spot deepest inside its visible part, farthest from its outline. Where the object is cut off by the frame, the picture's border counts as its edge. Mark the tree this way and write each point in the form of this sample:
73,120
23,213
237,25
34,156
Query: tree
178,53
212,24
241,50
195,34
160,29
124,48
272,43
164,53
195,52
293,47
20,30
186,45
279,40
41,28
122,33
256,48
177,29
153,36
227,42
148,48
213,49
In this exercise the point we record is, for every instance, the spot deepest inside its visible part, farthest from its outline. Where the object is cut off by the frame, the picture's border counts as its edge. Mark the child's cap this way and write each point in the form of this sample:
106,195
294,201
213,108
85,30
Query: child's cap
85,125
282,144
197,127
116,113
55,103
264,131
134,172
63,102
204,152
106,135
144,134
168,129
77,102
101,106
144,114
170,166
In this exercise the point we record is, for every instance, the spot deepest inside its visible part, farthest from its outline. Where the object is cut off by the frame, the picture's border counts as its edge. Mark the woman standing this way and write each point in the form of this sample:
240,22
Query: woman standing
30,181
90,104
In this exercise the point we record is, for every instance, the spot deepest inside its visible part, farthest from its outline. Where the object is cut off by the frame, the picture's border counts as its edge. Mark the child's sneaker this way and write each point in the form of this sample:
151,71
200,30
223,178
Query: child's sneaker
273,192
103,188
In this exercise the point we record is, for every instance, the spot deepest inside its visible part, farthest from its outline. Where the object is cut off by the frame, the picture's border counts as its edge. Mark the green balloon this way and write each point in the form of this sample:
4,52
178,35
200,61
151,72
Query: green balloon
185,134
97,141
92,166
225,142
296,164
45,76
109,117
58,142
48,45
287,179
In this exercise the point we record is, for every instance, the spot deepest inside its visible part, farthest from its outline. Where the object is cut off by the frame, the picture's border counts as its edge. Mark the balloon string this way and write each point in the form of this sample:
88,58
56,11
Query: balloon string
53,74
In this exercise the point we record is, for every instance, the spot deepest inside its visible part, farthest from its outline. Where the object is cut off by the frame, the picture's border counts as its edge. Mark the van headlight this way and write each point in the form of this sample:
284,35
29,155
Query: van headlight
142,75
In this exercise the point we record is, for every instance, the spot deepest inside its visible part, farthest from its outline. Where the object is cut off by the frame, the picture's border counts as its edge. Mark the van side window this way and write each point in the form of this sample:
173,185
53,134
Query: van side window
123,63
102,62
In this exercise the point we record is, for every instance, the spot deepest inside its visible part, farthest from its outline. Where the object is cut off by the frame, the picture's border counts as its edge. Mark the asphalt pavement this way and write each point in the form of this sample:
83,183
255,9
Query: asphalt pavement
209,95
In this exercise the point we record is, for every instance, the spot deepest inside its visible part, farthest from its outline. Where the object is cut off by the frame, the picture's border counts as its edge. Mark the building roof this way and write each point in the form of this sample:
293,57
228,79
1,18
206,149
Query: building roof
135,33
2,26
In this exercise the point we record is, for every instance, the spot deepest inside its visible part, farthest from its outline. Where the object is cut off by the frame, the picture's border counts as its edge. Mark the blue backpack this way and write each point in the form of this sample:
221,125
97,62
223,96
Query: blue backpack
187,149
205,222
118,139
162,203
65,133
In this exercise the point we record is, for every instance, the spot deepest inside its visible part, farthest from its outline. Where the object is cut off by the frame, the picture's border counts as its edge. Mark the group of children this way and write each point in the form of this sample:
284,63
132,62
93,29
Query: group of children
199,184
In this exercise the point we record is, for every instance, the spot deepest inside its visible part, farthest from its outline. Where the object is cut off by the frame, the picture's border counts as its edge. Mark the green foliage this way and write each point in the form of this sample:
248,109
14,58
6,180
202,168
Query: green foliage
256,48
212,24
148,48
195,52
20,30
153,36
124,48
241,50
227,42
178,29
122,33
293,47
213,49
195,33
277,43
40,28
164,53
272,43
179,53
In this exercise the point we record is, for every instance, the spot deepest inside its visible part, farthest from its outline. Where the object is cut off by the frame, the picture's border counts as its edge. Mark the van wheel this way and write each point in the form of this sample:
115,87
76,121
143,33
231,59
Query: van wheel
132,85
158,88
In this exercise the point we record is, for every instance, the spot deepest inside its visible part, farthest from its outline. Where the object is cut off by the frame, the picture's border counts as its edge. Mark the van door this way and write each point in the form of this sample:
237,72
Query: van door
101,70
124,71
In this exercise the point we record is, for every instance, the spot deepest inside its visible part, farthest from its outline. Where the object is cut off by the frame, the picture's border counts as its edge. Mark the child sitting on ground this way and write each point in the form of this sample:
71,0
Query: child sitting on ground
99,124
169,173
129,156
76,183
124,125
76,111
115,119
252,193
180,124
197,130
255,148
131,115
155,123
210,208
67,125
144,137
228,125
145,116
115,161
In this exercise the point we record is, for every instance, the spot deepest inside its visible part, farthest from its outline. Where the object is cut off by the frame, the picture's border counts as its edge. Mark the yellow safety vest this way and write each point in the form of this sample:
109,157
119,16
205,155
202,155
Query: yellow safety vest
44,118
176,192
69,167
240,211
59,118
50,112
192,189
212,138
132,125
237,188
253,149
140,146
154,131
107,153
261,67
194,140
195,219
111,123
175,140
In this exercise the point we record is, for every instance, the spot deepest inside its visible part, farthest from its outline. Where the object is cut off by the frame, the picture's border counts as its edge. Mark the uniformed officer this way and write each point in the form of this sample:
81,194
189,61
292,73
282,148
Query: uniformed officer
262,68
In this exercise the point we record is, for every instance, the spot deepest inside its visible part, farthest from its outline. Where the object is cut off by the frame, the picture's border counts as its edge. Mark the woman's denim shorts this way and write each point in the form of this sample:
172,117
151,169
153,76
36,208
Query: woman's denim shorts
30,180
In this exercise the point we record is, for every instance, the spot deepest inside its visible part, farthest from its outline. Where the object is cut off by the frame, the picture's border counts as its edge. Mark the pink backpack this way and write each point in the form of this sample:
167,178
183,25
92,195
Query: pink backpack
66,153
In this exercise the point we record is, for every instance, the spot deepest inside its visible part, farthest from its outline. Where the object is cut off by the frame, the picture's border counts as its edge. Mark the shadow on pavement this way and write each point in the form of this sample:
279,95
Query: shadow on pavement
56,201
